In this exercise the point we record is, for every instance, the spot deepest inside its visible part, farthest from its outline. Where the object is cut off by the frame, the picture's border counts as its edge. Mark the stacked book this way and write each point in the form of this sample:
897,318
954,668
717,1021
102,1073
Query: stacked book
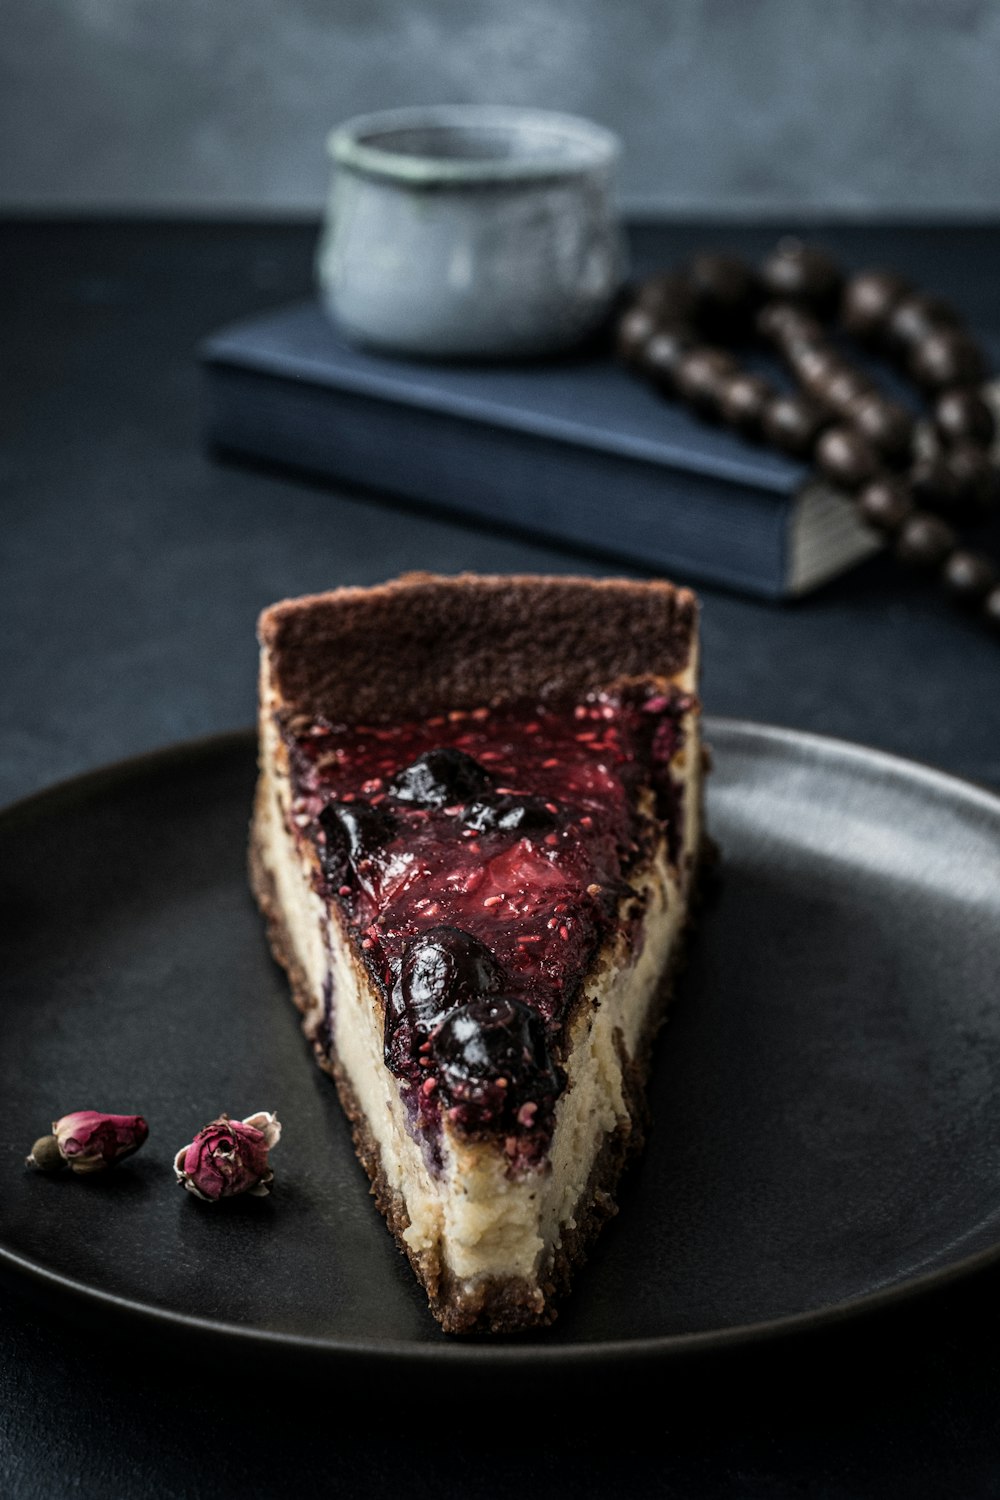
576,450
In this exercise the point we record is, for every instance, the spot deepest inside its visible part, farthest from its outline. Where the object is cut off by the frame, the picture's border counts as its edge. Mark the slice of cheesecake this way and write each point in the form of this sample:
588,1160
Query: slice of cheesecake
477,826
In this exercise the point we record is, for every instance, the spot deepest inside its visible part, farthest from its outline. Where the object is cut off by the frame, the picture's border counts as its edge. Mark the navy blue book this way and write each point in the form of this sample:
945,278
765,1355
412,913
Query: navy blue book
576,450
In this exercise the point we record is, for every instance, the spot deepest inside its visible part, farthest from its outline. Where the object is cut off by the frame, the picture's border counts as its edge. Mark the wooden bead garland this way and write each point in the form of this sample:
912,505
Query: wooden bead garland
911,487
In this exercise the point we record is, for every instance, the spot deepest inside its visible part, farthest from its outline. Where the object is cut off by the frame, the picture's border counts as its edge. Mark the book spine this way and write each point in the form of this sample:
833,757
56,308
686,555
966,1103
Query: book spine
685,525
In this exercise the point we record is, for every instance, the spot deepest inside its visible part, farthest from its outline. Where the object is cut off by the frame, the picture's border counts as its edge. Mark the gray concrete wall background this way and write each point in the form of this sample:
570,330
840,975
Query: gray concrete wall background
724,105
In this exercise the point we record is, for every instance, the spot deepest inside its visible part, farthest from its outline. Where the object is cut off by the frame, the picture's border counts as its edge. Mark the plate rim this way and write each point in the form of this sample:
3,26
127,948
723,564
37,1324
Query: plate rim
479,1353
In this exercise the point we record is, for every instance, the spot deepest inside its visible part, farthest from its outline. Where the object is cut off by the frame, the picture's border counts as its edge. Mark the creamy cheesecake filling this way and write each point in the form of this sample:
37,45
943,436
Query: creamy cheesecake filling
475,1216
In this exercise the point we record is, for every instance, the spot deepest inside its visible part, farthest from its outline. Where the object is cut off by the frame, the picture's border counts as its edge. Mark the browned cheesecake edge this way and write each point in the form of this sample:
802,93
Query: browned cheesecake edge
425,642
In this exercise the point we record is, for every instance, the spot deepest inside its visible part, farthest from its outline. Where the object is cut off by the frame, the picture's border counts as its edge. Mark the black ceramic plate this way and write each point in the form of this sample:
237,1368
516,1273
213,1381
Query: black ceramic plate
825,1095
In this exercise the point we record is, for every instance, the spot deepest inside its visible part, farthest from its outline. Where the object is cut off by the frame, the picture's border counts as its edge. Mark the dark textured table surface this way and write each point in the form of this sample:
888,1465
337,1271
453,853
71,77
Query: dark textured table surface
132,568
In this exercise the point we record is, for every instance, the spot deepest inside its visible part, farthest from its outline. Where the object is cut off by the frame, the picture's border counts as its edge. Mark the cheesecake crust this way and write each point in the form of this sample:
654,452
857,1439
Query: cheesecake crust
459,642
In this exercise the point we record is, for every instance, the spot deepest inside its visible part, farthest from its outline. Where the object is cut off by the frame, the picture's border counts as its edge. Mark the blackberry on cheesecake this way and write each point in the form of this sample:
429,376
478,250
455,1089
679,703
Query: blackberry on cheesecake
477,826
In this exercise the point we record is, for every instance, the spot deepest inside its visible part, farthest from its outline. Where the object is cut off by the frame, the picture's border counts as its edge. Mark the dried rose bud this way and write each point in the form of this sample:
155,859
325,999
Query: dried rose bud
88,1141
229,1157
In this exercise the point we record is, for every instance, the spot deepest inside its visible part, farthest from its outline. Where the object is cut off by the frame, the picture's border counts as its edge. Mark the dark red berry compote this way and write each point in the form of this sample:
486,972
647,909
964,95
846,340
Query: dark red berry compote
480,859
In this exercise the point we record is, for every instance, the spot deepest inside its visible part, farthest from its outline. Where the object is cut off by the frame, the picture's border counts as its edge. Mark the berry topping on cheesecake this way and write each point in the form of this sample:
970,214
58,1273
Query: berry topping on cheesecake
487,850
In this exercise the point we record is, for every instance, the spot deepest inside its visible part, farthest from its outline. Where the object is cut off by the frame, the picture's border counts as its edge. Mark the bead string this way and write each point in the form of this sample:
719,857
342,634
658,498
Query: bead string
911,482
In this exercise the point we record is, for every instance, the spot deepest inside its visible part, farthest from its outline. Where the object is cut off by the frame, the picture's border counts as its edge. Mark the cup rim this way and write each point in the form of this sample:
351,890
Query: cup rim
348,145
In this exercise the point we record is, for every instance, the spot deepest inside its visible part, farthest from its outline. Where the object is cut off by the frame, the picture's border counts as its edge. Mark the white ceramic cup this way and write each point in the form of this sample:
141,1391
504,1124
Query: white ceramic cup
470,231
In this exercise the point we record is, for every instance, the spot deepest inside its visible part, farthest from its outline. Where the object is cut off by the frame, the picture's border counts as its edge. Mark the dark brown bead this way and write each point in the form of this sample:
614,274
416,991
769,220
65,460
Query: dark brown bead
924,540
846,457
788,325
816,365
669,297
868,300
925,442
991,608
724,282
886,503
701,374
946,357
915,317
661,355
969,575
842,387
962,416
792,423
742,402
975,476
635,328
933,484
801,273
885,423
